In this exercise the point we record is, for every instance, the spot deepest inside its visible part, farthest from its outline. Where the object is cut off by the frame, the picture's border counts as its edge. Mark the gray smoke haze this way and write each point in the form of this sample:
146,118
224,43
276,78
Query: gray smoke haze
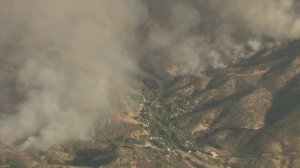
202,34
76,58
73,60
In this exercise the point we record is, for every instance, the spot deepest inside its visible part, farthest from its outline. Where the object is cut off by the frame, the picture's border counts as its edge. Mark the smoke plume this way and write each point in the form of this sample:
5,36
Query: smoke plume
197,35
76,58
72,58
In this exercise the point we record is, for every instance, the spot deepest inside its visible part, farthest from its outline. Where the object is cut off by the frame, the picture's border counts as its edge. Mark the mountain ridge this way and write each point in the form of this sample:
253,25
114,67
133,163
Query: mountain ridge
245,115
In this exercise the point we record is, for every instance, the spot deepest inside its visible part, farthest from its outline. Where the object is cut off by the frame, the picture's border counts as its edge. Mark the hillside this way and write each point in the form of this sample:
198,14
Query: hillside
245,115
149,83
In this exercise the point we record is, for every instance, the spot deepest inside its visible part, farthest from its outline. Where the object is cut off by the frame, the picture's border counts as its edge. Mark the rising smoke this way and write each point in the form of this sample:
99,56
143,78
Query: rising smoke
72,58
201,34
76,58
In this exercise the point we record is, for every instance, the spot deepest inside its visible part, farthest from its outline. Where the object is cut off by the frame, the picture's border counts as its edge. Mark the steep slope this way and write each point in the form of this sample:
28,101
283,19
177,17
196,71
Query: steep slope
250,109
245,115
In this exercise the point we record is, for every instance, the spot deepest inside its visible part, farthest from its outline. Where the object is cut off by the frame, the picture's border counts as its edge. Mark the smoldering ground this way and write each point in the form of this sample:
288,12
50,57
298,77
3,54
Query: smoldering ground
77,58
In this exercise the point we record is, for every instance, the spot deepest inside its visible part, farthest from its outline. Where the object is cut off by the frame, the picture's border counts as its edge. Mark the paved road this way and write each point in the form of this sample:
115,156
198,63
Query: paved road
195,162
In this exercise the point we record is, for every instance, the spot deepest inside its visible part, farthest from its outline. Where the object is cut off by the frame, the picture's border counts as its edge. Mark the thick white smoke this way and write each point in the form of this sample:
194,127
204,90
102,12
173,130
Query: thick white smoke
270,18
73,61
202,34
76,57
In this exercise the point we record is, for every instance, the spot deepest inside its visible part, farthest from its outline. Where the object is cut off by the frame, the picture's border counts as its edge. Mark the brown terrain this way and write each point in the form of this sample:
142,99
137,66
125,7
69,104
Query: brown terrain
245,115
